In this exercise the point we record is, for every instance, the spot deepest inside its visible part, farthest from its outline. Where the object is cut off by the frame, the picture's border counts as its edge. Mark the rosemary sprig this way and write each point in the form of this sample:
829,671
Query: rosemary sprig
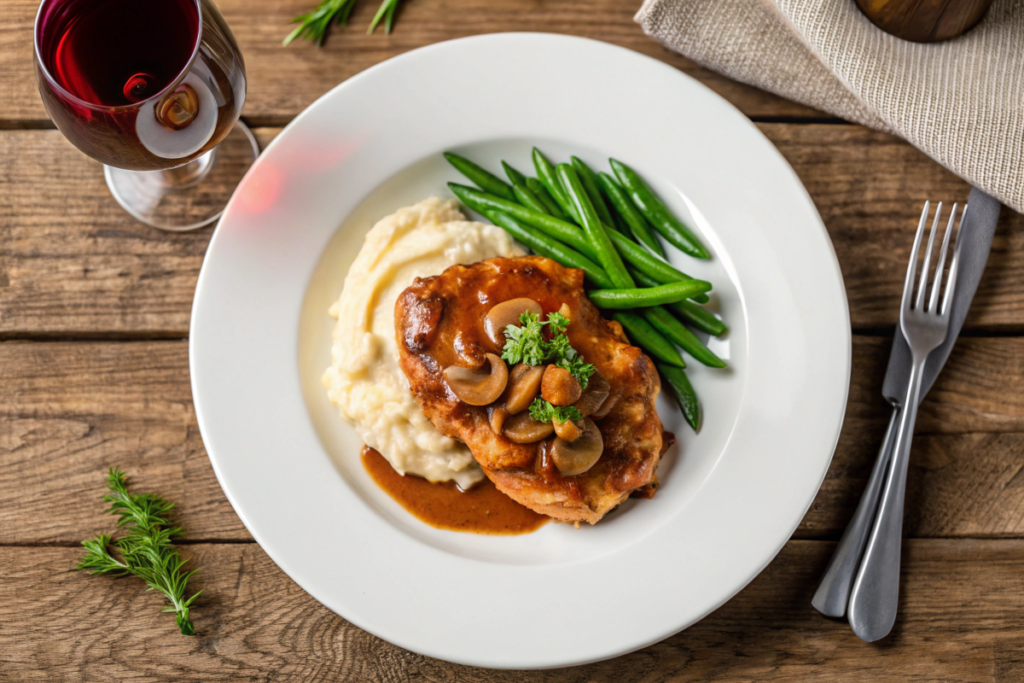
313,25
145,548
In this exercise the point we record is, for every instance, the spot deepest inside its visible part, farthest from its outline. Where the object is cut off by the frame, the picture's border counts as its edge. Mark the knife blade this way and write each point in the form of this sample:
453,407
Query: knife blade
976,231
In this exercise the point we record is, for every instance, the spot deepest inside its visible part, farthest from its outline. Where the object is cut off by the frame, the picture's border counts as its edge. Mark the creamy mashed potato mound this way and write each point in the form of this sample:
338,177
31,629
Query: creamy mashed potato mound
364,379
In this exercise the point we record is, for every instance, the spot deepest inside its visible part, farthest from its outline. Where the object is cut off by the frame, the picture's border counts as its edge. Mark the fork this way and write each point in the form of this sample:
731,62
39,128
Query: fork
875,594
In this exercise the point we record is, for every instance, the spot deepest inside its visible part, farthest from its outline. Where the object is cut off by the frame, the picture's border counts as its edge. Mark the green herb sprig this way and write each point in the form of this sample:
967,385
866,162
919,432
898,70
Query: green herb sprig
542,411
525,343
145,548
313,25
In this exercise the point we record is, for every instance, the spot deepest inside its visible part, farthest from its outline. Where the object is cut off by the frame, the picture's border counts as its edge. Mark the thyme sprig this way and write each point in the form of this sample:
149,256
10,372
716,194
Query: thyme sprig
313,25
146,549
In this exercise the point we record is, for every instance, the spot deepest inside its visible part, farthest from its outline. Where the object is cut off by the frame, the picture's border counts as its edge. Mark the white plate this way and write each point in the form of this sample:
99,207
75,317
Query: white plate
730,496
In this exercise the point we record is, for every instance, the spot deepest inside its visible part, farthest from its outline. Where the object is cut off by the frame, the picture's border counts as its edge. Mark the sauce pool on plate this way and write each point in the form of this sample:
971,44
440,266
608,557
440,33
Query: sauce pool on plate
483,509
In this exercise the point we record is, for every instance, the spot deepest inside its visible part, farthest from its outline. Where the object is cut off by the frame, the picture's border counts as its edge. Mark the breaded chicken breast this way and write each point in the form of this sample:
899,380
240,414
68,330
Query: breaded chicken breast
439,322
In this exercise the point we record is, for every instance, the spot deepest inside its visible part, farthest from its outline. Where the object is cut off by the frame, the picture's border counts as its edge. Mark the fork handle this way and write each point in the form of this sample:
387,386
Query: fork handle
876,590
833,592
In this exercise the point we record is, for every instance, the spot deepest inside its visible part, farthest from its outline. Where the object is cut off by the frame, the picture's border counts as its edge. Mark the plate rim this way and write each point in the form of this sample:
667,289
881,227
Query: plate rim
281,138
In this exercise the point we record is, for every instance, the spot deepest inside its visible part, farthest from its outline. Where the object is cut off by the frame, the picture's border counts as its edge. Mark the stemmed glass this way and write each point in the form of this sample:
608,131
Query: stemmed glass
153,90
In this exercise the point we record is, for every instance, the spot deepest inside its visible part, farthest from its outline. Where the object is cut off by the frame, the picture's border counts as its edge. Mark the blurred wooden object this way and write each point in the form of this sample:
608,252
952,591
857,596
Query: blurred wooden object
925,21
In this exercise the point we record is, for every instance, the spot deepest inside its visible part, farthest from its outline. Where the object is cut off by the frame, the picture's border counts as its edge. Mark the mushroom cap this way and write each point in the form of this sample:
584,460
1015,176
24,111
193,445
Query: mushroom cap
497,418
478,386
522,428
523,386
594,395
504,314
578,456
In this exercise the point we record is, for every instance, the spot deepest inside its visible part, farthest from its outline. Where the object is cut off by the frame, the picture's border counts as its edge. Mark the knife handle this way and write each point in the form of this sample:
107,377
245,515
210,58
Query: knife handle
833,592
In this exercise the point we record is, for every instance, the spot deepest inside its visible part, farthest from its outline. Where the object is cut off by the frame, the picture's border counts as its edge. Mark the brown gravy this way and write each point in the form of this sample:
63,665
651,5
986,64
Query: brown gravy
482,510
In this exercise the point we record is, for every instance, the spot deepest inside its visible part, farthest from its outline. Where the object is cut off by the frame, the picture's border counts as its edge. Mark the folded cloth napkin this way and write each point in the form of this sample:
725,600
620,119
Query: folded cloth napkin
961,101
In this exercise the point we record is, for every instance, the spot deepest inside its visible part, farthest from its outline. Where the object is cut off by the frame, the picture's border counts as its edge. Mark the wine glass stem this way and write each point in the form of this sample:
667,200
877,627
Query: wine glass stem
188,174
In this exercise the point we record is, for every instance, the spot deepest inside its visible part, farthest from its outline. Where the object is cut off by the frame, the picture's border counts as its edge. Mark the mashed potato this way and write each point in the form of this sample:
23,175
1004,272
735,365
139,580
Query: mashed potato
364,380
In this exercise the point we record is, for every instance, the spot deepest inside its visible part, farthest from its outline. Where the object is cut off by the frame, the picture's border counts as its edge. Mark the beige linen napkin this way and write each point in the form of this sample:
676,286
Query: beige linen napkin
960,101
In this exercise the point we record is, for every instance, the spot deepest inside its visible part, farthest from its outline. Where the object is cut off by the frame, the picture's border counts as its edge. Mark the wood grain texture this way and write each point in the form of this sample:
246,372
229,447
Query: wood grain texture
70,410
74,264
284,81
961,619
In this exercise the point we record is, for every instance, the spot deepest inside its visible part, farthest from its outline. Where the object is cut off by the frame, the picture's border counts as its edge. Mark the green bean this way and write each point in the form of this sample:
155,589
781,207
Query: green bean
684,393
589,181
546,174
680,334
646,281
527,198
537,187
543,245
644,261
670,227
514,176
648,296
648,338
594,230
482,202
624,208
562,231
694,314
703,320
485,180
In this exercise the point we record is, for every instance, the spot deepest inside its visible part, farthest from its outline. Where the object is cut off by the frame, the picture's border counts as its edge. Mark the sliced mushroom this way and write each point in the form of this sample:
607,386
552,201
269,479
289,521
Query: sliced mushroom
559,387
522,428
568,430
576,457
498,417
504,314
594,395
523,386
478,387
606,407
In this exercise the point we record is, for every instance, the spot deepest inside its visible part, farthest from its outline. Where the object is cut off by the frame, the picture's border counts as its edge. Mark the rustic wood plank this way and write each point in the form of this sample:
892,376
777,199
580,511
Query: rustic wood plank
283,81
73,264
961,619
70,410
869,188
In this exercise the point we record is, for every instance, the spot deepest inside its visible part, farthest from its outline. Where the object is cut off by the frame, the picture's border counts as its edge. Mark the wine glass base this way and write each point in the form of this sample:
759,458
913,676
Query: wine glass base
190,196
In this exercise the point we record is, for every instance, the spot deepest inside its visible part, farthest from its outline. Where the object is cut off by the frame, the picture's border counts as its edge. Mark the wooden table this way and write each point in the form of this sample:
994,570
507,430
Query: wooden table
94,312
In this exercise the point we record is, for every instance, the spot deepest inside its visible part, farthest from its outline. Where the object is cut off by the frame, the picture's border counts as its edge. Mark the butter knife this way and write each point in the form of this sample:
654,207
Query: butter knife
976,231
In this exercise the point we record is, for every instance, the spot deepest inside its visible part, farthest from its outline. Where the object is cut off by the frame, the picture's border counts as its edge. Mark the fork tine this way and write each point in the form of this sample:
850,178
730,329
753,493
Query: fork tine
941,265
953,265
923,286
908,286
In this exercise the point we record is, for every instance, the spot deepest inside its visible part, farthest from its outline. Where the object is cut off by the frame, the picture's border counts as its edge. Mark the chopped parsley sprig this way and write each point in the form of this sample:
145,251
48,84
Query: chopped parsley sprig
542,411
526,343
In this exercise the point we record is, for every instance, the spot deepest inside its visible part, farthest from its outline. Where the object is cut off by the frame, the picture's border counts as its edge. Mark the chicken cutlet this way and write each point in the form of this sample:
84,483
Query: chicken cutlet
450,332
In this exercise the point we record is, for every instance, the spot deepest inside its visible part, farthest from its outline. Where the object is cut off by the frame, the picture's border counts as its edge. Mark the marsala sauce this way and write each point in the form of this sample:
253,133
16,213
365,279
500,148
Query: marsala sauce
482,510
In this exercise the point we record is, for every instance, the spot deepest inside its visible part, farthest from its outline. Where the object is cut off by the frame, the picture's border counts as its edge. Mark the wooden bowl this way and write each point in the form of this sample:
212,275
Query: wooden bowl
925,21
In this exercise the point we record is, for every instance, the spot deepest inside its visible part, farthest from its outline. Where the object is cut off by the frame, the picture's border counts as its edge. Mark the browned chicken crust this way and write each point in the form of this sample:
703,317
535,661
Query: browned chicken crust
439,323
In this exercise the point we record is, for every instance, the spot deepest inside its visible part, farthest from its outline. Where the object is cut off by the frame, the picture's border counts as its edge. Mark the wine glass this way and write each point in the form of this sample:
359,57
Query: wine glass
153,90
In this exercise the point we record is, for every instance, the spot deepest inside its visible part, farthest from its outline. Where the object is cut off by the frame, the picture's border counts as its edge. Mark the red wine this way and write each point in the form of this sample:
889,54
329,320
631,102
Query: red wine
118,52
125,82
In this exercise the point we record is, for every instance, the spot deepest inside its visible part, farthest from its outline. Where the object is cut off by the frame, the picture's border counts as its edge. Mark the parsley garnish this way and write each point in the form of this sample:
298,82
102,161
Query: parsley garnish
525,343
542,411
